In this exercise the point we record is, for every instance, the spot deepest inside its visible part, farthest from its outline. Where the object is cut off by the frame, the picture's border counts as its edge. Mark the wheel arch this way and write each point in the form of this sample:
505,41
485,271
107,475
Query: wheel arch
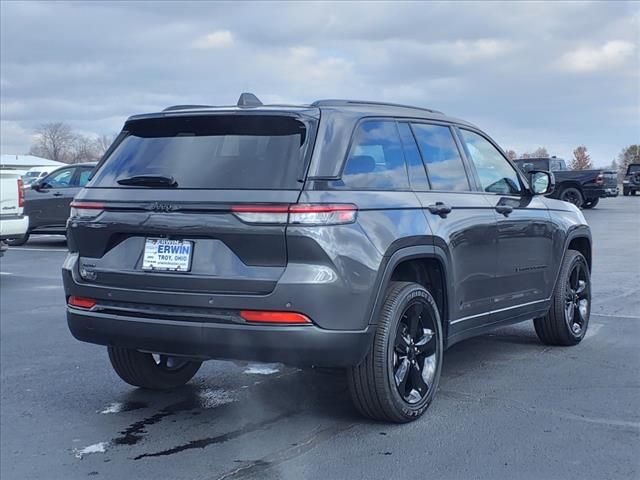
423,264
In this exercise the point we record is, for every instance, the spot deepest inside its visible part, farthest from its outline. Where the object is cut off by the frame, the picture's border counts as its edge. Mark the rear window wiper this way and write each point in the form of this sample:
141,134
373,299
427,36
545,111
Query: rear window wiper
149,181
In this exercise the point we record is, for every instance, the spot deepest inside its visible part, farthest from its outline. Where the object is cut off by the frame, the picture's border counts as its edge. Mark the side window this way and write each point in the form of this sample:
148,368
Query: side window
59,179
440,153
495,173
376,159
84,175
417,174
555,165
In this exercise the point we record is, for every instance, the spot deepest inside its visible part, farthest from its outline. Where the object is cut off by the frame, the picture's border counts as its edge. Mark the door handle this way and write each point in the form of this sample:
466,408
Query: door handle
504,209
440,208
57,194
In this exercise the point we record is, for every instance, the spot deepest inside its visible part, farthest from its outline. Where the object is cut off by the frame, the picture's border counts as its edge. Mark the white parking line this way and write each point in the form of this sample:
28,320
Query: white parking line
631,317
6,273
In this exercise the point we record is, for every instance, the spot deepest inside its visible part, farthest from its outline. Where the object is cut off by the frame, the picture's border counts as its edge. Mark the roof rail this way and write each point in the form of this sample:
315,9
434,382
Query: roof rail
185,107
338,102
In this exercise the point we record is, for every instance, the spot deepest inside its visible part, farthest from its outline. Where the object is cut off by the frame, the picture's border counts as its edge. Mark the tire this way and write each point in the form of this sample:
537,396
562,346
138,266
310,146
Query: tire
590,203
16,242
625,192
373,384
572,195
142,370
568,318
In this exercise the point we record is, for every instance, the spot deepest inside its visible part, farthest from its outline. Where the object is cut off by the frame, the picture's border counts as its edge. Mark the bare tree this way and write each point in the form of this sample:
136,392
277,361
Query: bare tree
103,142
53,141
581,159
540,152
84,149
511,154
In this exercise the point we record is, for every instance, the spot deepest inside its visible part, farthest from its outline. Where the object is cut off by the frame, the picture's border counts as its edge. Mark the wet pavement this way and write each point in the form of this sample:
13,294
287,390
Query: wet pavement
508,407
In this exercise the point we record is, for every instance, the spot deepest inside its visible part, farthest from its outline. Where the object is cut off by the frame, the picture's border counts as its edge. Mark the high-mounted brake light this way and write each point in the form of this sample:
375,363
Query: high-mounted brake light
86,209
298,214
259,316
81,302
20,193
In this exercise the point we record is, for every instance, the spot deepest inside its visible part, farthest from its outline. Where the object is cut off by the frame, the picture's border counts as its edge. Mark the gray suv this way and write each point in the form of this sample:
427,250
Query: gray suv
350,234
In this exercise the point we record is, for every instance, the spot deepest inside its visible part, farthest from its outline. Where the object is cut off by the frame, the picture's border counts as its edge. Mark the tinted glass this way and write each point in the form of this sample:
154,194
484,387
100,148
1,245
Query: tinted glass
215,151
529,164
443,161
634,169
417,174
495,173
376,160
61,179
555,165
83,178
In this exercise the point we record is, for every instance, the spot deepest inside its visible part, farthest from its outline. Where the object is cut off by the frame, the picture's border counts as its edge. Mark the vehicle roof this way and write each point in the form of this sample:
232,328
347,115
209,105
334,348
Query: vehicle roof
360,108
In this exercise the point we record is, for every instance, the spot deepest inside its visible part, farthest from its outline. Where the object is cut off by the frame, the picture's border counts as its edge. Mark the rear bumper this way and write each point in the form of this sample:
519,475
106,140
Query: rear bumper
611,192
13,226
206,326
293,345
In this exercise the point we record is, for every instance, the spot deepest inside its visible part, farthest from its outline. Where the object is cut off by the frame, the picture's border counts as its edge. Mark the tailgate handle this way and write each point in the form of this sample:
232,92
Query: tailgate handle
440,208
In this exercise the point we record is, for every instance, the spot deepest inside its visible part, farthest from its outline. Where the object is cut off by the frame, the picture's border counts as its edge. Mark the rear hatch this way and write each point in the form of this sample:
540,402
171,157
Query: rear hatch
167,208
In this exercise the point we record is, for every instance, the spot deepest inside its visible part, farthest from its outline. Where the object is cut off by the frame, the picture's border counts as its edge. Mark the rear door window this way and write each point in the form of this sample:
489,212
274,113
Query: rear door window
376,159
83,176
442,158
210,152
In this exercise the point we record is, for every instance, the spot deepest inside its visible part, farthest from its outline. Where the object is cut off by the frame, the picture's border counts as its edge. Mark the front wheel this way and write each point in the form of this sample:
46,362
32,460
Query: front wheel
152,371
590,203
568,318
399,377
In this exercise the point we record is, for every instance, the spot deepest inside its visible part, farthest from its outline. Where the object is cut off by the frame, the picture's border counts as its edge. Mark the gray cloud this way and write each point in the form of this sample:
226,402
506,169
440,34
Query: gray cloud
556,74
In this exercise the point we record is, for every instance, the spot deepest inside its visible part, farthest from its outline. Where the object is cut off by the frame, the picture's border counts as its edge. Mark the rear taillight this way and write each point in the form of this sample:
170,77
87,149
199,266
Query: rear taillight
299,214
260,316
20,193
600,179
267,214
81,302
86,209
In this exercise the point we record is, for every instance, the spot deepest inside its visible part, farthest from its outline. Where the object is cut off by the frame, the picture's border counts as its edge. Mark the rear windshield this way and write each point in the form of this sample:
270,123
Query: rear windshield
634,169
212,152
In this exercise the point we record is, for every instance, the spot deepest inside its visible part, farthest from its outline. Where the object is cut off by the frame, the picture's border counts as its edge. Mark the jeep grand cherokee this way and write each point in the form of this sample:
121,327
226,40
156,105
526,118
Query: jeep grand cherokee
342,233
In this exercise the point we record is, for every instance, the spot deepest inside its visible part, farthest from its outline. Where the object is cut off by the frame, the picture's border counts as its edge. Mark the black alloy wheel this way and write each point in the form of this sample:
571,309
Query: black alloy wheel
414,355
567,321
572,195
577,298
398,379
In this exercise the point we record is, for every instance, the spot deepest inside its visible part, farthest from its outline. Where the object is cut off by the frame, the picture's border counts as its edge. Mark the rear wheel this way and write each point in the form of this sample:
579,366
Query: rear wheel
590,203
568,318
572,195
399,377
152,371
625,192
16,242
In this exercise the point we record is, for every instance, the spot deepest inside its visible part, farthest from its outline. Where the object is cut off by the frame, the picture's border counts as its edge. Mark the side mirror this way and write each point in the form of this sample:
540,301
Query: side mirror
542,182
37,186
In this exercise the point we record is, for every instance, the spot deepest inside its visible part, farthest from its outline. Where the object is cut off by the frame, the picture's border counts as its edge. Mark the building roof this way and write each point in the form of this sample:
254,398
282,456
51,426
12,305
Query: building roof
27,161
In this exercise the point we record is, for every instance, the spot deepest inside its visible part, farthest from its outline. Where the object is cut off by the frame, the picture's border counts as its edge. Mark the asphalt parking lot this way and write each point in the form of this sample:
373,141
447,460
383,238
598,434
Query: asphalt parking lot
508,407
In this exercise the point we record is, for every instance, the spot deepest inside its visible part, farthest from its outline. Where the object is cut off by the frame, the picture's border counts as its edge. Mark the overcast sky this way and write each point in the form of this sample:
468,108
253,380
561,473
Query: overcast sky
530,74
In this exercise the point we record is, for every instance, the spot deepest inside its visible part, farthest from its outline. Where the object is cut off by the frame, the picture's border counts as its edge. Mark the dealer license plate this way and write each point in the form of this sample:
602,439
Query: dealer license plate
167,255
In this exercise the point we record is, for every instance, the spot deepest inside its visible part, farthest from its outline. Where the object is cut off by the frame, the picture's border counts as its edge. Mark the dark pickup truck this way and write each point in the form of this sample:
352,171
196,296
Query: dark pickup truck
583,188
